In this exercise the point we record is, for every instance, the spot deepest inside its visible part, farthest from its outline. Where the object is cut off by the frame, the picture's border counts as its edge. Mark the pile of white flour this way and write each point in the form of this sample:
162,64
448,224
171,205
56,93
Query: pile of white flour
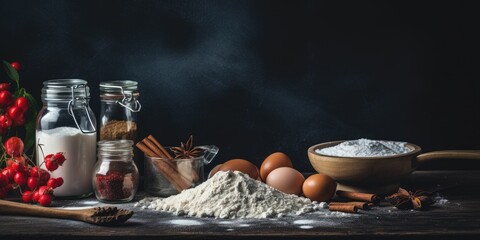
365,148
232,195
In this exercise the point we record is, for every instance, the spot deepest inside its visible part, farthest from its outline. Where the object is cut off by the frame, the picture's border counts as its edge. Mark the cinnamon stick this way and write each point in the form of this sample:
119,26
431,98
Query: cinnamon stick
359,205
343,208
145,149
159,146
364,197
168,171
154,148
165,175
156,152
150,153
172,172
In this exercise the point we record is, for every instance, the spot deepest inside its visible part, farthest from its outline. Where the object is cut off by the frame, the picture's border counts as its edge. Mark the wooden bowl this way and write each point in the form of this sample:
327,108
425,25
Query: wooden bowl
379,175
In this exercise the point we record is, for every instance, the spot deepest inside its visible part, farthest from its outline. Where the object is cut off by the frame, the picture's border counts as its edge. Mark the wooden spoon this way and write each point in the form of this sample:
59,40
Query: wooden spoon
97,215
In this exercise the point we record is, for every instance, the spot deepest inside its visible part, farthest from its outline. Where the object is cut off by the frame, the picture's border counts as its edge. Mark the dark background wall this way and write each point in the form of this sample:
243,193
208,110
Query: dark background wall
254,77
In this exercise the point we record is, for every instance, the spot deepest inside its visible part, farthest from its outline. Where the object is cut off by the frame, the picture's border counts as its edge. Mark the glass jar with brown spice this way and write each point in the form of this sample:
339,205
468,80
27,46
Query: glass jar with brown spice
119,108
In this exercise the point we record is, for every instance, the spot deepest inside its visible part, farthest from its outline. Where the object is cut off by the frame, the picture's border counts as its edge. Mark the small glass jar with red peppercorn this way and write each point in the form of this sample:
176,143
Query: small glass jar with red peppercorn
115,176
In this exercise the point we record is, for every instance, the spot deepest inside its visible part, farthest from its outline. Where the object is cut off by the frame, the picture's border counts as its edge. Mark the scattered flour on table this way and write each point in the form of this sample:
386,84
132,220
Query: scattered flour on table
185,222
232,195
304,221
306,227
440,201
365,148
234,223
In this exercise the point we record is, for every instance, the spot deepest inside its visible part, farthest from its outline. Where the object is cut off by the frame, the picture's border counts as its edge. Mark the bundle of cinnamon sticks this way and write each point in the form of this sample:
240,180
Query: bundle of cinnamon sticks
180,173
361,201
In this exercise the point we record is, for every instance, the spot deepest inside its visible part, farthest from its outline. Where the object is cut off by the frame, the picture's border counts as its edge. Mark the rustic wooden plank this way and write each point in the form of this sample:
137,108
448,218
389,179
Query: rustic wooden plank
456,219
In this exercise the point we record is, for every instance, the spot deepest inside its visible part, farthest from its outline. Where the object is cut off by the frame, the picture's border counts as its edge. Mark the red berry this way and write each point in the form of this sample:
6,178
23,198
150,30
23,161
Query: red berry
21,160
5,98
59,181
20,178
45,200
59,157
10,162
32,182
44,190
27,196
4,86
15,113
44,176
5,121
51,165
16,65
48,157
52,182
34,172
22,103
18,167
8,172
14,146
3,180
20,121
36,196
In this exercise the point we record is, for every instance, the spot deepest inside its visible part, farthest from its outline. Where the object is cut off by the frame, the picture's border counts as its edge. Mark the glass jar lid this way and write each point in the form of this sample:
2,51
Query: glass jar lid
115,147
118,86
123,92
72,91
65,90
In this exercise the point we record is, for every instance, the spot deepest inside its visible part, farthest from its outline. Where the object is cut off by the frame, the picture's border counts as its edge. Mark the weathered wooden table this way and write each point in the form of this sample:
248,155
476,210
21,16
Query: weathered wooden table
455,216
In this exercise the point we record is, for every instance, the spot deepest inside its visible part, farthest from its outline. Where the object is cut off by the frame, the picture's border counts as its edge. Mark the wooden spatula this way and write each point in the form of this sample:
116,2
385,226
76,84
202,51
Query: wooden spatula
97,215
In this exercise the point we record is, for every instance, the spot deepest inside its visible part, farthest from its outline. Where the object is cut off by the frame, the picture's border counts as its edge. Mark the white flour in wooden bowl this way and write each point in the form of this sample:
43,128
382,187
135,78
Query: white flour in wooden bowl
365,148
232,195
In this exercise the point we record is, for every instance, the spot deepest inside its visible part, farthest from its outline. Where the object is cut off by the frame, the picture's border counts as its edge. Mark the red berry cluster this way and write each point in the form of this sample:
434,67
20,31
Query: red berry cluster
12,111
36,182
52,161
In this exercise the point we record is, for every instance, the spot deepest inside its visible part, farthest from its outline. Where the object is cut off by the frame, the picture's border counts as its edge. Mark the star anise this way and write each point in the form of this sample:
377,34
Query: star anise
404,199
187,150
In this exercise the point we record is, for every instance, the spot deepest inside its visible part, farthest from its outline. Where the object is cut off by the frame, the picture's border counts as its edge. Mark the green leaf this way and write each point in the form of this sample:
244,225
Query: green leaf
29,135
11,72
32,102
31,114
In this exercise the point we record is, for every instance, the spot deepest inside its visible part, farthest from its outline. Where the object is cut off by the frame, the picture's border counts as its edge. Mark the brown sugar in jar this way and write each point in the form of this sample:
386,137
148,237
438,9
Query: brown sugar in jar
116,129
119,108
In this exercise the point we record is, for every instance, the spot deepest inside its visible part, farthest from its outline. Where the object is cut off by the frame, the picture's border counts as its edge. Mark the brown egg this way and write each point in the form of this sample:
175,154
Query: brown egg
319,187
241,165
274,161
286,179
214,170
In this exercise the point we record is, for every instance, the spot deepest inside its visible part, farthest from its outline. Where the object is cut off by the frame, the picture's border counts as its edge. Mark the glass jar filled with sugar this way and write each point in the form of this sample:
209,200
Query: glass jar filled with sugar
67,124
